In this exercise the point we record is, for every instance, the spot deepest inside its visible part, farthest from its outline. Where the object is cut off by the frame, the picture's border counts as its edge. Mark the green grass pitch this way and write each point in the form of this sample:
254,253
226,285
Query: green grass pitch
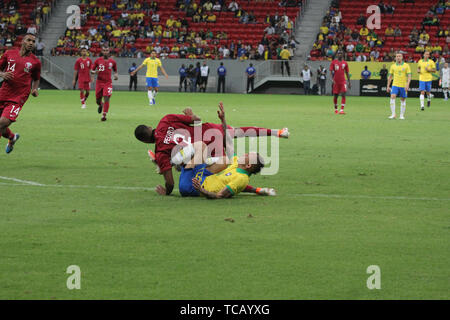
353,191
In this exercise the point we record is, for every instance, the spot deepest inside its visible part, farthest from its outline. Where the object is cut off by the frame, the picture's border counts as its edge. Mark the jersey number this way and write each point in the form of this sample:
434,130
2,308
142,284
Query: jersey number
101,67
11,67
15,110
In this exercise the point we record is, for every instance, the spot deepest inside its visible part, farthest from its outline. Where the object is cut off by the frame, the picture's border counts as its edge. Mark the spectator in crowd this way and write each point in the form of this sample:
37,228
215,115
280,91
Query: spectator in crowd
365,74
250,73
397,32
306,76
361,21
285,56
389,32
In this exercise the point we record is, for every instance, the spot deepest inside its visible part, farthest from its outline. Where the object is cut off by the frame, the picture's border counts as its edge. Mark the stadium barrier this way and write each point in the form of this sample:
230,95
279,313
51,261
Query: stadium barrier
377,88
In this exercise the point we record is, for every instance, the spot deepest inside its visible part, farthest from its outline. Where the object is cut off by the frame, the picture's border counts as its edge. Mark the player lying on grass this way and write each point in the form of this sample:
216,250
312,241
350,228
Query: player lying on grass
223,179
21,71
176,130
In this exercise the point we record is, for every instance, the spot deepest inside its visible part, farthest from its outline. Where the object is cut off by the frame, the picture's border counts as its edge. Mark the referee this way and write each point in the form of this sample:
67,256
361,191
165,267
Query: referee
204,72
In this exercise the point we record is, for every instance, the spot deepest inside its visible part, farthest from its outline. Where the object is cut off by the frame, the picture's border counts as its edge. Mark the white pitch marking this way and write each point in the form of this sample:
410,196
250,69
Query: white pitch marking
26,183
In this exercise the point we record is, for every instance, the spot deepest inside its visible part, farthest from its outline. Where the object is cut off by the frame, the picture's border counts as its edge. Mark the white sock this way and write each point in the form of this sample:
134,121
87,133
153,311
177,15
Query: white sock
402,108
429,97
422,100
155,93
445,93
393,106
150,95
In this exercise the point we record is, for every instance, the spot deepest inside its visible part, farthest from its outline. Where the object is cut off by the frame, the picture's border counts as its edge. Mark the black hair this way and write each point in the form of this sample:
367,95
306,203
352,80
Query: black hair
256,167
141,133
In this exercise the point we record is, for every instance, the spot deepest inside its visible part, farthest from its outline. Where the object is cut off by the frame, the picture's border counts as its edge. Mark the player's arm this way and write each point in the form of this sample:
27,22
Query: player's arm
169,183
116,75
164,72
5,75
408,82
36,76
188,112
389,80
227,139
348,77
74,81
224,193
137,69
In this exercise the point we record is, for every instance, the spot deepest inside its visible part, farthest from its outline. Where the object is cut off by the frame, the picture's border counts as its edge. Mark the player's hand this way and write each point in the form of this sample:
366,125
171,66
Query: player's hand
440,82
7,75
388,89
34,93
196,184
73,84
221,112
188,111
167,77
407,88
132,73
349,84
116,77
161,190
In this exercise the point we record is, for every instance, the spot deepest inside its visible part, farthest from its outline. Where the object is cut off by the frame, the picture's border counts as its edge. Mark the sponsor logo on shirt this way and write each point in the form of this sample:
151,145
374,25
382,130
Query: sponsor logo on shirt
169,135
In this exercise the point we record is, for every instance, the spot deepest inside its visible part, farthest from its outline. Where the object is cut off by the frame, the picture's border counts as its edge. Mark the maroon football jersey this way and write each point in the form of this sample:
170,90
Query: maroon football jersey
105,68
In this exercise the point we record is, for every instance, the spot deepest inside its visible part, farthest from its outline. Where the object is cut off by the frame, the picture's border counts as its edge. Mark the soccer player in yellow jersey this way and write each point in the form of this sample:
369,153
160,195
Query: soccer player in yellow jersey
401,73
152,63
425,68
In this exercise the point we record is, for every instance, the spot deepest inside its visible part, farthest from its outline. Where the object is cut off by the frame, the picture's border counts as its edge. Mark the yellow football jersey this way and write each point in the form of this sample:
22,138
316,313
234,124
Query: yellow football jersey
425,75
233,178
152,67
400,73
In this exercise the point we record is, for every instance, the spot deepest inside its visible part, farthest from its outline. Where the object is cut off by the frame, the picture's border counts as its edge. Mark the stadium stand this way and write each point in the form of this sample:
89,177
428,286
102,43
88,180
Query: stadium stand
408,26
184,28
20,17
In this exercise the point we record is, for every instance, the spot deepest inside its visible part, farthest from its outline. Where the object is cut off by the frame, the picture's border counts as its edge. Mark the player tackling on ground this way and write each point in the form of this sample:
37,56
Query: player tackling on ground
169,134
401,73
82,69
103,86
444,80
152,64
19,68
339,69
425,68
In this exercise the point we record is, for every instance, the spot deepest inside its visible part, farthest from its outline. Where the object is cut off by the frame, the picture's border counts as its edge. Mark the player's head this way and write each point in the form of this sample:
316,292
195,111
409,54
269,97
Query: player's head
446,65
153,54
398,57
29,42
339,55
253,163
83,52
426,55
105,51
145,134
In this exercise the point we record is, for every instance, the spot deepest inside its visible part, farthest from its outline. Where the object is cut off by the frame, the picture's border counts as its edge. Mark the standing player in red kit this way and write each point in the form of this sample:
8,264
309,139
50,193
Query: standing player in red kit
19,68
103,87
339,68
82,69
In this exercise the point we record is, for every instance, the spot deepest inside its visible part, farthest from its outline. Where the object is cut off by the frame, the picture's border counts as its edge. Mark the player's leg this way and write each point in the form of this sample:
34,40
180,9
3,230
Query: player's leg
445,89
394,93
343,100
86,95
107,92
240,132
82,98
98,97
422,95
9,114
428,90
155,85
199,154
402,107
260,191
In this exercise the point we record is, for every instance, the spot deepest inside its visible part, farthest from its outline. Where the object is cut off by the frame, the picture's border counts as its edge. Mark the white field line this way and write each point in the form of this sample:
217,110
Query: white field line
26,183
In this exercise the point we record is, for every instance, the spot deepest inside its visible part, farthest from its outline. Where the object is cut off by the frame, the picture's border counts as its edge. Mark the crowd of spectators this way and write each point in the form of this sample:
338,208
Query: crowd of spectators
13,24
364,44
122,34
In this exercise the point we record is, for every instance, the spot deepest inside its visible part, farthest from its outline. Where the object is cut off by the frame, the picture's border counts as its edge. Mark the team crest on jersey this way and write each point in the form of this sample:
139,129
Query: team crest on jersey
110,65
28,66
228,174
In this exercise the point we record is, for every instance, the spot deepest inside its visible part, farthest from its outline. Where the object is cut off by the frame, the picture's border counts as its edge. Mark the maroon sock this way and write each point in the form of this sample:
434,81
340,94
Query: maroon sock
105,107
335,99
249,188
252,131
7,133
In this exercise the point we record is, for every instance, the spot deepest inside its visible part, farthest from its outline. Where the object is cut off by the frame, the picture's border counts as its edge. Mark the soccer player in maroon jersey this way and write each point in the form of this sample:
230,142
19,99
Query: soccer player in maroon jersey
339,69
166,136
82,69
19,68
103,87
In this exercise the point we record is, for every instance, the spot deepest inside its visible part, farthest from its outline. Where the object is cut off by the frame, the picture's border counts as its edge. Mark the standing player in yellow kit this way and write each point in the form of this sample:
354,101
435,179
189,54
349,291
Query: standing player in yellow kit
425,68
401,72
152,63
